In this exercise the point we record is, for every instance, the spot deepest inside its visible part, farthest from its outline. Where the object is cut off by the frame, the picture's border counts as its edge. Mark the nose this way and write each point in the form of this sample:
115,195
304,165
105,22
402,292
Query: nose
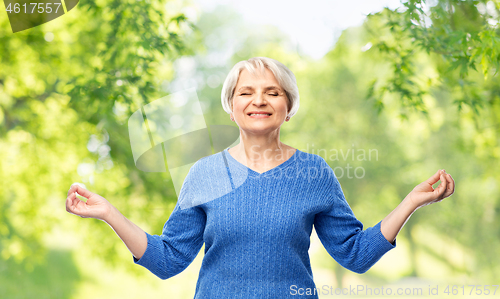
259,100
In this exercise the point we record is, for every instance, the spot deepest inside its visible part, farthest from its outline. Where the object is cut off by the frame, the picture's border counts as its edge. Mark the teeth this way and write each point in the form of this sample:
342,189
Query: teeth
259,114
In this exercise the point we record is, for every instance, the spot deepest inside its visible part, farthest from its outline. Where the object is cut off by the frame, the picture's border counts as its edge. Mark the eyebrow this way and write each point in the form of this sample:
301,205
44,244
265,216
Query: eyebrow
267,88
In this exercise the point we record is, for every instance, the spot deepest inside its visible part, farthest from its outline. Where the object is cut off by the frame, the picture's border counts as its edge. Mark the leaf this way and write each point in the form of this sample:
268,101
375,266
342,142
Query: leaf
484,65
371,89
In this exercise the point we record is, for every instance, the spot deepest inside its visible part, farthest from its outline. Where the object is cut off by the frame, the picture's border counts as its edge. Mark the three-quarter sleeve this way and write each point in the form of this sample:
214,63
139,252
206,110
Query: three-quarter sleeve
342,234
180,242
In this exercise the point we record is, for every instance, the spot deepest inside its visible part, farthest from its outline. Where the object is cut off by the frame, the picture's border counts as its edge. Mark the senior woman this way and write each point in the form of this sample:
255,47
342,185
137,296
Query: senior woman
257,230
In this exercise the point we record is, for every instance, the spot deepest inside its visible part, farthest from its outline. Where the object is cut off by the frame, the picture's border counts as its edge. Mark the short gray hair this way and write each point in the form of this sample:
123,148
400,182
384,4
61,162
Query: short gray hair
283,75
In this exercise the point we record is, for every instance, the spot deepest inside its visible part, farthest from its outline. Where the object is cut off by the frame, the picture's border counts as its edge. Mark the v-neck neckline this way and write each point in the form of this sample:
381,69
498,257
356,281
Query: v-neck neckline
252,172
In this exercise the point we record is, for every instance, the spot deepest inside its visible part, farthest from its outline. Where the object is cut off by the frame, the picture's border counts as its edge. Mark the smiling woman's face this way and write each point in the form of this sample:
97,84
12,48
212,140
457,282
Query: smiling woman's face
263,94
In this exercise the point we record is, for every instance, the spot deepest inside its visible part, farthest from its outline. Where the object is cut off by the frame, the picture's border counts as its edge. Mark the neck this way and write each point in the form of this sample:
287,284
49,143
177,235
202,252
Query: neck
261,150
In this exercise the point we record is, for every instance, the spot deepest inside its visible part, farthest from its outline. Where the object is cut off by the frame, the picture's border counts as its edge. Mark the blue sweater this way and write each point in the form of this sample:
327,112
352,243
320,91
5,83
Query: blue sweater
257,227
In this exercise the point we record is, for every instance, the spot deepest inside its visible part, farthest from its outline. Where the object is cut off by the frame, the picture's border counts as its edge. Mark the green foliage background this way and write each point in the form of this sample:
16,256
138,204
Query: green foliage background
418,85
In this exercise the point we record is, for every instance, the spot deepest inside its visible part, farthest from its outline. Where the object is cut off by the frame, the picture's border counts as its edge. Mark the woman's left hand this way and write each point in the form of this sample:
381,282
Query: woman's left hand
424,194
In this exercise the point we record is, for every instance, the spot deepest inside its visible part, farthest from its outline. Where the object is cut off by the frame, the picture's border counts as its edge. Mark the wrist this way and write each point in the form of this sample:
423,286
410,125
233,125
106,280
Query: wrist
111,215
408,204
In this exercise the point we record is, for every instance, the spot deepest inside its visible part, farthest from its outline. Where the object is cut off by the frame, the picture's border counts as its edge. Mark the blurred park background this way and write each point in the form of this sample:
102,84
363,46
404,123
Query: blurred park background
415,82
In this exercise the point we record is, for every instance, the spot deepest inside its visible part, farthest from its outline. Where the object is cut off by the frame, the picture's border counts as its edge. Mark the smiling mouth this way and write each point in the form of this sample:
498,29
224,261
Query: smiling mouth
259,114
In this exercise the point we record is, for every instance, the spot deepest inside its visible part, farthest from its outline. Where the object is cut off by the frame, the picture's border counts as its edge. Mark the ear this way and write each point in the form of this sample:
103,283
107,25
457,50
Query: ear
289,103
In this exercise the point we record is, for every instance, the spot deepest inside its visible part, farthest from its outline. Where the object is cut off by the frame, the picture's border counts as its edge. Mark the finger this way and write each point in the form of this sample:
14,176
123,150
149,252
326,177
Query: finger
450,185
448,191
74,187
71,190
72,202
81,191
433,179
68,204
75,206
441,189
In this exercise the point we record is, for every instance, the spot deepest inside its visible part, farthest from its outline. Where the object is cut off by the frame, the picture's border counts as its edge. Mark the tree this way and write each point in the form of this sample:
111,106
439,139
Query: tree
460,36
66,87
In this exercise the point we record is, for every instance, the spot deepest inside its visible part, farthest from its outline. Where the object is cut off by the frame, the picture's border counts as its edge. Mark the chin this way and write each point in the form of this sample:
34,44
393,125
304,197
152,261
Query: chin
260,131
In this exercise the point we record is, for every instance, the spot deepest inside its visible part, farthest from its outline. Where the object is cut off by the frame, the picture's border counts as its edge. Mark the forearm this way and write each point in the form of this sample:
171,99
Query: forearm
133,236
394,222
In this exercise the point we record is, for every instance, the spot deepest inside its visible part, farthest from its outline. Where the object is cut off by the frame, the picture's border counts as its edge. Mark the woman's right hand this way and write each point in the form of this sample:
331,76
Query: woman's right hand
96,206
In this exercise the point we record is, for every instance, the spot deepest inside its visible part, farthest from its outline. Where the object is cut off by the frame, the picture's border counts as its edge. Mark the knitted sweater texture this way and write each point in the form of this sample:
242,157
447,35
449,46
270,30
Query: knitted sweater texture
257,227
